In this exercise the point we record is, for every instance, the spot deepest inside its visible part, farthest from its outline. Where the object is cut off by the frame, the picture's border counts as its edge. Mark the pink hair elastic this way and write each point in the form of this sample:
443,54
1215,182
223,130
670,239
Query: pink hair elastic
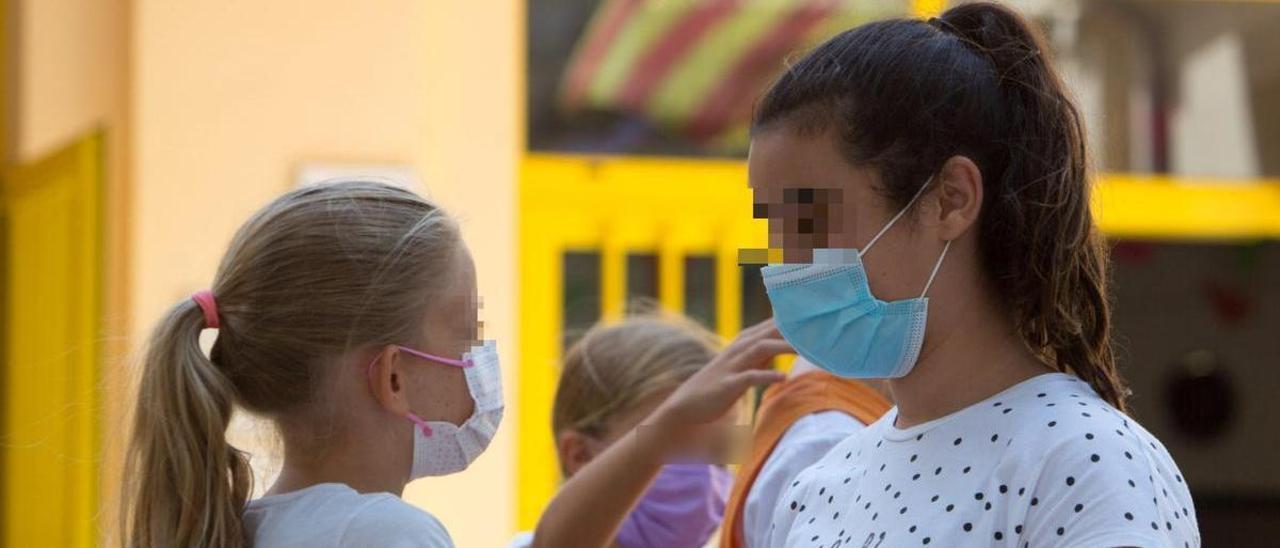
209,307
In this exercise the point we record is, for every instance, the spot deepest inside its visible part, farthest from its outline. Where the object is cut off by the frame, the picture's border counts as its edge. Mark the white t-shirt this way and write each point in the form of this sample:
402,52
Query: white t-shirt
803,444
332,514
1045,463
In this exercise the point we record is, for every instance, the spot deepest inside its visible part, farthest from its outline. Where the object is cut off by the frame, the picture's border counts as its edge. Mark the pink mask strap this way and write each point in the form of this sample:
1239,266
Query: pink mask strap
456,363
426,428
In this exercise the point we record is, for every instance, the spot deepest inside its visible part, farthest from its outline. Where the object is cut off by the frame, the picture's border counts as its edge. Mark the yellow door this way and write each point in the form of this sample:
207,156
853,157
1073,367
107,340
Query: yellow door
49,253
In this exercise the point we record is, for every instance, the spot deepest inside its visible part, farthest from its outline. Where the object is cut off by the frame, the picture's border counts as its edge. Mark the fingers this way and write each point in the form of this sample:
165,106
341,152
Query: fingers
765,330
743,364
759,353
741,382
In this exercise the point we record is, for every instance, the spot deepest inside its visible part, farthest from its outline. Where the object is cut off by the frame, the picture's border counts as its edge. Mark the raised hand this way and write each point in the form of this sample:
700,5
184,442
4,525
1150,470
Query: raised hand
592,505
713,390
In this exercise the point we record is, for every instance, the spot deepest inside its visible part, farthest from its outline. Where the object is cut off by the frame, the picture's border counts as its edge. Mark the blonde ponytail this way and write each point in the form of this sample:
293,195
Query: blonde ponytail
185,485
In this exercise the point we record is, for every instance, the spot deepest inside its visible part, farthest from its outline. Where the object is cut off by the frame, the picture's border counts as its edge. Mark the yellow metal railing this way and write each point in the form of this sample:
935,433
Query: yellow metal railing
1159,207
616,206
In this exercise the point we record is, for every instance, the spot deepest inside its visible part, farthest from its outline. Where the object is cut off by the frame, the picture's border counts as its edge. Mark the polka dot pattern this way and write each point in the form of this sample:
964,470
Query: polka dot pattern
1010,471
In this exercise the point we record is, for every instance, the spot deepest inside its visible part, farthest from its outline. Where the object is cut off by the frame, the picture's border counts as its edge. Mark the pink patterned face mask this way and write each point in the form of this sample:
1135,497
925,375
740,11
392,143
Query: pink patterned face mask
441,448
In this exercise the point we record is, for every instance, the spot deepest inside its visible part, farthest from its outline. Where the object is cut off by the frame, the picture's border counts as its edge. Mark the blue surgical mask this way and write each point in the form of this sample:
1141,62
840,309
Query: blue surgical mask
826,311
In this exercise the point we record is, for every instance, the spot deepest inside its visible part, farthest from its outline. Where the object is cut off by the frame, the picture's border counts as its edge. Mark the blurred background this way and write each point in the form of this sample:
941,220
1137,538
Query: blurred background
593,150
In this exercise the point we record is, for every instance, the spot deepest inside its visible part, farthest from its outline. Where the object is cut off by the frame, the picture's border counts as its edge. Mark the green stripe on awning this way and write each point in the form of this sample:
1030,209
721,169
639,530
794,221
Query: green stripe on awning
647,25
688,83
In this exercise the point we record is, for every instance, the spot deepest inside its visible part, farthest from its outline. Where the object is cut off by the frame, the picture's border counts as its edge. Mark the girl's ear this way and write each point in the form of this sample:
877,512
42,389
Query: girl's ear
959,196
574,448
386,380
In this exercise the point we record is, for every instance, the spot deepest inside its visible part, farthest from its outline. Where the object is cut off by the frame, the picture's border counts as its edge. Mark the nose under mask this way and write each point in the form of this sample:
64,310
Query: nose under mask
826,311
441,448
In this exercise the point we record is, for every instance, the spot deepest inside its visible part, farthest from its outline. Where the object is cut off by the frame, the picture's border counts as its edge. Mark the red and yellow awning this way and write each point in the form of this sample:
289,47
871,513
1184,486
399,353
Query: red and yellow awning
696,67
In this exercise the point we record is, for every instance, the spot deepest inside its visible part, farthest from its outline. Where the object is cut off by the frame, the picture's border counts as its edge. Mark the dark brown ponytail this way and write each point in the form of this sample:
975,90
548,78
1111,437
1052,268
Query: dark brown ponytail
905,95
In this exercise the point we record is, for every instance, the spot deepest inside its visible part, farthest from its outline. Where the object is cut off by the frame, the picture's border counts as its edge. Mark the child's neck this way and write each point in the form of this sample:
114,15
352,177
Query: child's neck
346,464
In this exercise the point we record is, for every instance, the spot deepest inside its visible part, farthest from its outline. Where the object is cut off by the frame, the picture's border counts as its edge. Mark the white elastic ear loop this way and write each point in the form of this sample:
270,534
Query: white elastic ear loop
936,266
895,218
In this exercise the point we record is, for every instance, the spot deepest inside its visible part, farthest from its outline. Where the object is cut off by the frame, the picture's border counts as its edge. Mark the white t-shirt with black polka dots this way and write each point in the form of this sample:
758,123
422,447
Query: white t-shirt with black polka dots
1045,463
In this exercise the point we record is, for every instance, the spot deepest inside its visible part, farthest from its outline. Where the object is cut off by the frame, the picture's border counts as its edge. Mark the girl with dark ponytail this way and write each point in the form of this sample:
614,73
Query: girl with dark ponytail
952,146
928,185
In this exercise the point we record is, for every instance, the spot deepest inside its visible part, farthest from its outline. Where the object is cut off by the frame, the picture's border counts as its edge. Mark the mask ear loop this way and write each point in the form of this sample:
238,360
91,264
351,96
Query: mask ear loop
895,218
936,266
463,363
421,424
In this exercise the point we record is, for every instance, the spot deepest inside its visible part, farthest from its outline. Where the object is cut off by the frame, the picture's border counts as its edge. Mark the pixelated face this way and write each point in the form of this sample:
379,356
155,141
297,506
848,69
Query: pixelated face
454,316
451,328
800,218
811,196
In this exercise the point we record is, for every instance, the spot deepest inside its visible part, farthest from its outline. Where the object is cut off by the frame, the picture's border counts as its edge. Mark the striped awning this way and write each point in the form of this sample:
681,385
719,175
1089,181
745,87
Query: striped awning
697,66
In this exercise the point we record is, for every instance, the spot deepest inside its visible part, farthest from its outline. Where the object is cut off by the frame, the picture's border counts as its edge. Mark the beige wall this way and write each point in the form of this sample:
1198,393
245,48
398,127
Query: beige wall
70,72
230,97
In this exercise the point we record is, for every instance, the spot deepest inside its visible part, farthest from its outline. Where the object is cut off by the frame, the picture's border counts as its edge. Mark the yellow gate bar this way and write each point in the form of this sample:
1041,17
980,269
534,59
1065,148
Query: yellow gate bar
927,8
1126,205
1157,207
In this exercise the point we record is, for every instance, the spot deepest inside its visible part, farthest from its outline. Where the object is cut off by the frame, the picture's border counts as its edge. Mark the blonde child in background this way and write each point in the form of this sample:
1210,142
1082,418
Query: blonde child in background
612,378
622,413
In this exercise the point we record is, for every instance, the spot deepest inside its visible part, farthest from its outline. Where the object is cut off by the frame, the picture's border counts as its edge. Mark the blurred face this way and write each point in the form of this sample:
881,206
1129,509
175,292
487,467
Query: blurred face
438,392
577,448
813,198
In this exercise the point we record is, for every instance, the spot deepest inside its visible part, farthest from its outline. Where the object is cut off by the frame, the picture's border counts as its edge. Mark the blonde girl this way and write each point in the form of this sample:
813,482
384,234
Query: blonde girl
613,377
621,488
345,314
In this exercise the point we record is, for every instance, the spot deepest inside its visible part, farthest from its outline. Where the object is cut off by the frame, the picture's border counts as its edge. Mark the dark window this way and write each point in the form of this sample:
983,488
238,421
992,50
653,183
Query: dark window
642,281
581,293
755,302
700,289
